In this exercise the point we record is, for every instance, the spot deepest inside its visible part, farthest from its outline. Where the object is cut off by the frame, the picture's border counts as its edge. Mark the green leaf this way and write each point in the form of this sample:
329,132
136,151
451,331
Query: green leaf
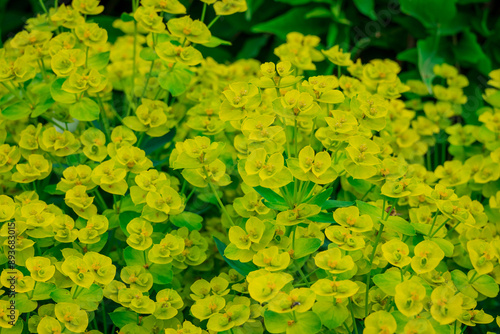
126,17
60,95
468,49
333,31
446,246
428,57
318,12
25,305
408,55
494,99
156,143
188,219
90,298
99,61
398,224
486,285
125,218
253,5
17,111
323,217
122,317
175,81
334,204
214,42
293,20
73,159
462,283
366,7
387,281
368,209
276,322
252,47
41,108
51,190
86,110
162,273
271,196
430,13
276,206
307,322
305,246
43,290
133,257
243,268
321,198
331,315
302,2
148,54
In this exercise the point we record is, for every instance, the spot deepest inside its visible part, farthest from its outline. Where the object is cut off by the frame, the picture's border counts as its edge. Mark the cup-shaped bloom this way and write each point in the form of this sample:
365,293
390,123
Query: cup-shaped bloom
396,253
72,317
333,261
40,268
427,257
409,297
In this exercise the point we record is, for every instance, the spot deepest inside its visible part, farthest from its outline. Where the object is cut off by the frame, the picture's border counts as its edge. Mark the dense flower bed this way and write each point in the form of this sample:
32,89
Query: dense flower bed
147,189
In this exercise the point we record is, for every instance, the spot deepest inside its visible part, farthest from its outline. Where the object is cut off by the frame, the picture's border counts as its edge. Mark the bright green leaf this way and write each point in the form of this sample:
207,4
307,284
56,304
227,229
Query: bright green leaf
187,219
17,111
86,110
305,246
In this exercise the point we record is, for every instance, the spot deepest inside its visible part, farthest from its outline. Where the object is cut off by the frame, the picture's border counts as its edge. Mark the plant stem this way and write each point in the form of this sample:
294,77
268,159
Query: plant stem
86,57
43,6
296,139
213,21
105,120
440,226
366,194
353,318
372,256
203,12
433,223
102,203
147,78
223,208
104,321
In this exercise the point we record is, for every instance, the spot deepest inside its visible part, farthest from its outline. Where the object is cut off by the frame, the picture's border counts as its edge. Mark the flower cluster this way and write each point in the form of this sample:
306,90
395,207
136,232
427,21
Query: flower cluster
145,188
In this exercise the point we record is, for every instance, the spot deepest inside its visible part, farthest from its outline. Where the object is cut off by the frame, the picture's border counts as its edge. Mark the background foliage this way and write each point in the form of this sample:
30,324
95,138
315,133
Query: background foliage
464,33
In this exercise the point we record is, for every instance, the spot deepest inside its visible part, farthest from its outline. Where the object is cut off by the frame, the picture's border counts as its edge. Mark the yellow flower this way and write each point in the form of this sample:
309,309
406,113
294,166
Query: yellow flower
410,297
427,257
149,19
167,6
72,317
194,31
88,7
271,259
334,261
229,7
37,168
264,286
396,253
110,177
337,56
91,34
446,306
14,280
78,271
75,176
380,322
